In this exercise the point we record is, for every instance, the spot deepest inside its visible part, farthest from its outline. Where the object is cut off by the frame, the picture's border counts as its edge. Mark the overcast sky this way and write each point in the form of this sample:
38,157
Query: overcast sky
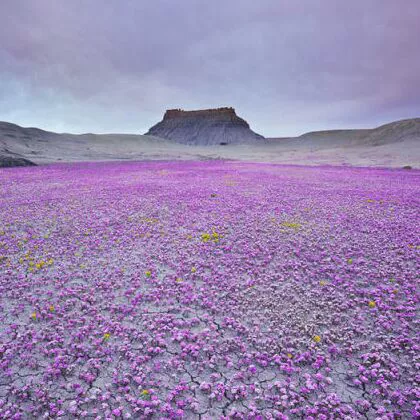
287,66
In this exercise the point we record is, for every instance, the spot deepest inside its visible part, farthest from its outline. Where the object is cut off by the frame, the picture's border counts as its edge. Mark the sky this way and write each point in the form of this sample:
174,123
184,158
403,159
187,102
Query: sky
286,66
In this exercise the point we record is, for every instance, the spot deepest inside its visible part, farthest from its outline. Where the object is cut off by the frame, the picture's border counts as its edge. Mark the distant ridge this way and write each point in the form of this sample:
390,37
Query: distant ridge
205,127
407,130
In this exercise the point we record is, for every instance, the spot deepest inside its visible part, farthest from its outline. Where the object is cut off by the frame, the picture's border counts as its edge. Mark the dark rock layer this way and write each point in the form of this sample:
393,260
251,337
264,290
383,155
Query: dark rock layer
11,161
204,127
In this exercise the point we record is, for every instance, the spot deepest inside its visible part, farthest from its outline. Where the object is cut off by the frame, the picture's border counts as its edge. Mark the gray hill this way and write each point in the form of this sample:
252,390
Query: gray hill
392,145
205,127
404,131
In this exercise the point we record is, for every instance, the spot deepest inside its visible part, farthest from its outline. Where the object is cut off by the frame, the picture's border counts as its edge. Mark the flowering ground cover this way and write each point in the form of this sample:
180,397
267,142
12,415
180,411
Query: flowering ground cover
208,290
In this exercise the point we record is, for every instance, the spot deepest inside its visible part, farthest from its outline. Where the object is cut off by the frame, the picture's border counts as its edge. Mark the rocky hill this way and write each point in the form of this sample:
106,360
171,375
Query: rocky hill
207,127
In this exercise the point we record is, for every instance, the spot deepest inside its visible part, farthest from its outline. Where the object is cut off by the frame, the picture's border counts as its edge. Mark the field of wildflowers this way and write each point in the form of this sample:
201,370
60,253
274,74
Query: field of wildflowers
208,290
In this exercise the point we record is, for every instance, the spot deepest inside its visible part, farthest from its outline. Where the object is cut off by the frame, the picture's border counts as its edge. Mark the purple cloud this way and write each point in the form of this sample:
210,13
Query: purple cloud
287,66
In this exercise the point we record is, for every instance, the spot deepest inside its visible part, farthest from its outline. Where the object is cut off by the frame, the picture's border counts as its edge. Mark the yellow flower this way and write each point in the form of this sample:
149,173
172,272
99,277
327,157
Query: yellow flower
193,270
291,225
179,280
40,265
317,338
50,261
205,237
107,336
350,261
148,273
52,309
33,316
372,304
289,355
215,236
322,283
145,392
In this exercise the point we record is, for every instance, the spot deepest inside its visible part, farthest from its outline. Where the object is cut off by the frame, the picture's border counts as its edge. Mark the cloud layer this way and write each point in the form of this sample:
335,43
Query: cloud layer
287,66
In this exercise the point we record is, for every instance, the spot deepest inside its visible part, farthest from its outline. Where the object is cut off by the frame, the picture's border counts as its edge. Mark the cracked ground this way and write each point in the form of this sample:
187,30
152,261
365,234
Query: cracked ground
208,290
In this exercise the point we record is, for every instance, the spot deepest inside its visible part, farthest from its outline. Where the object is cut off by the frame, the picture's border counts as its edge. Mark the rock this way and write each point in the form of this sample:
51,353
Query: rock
220,126
11,161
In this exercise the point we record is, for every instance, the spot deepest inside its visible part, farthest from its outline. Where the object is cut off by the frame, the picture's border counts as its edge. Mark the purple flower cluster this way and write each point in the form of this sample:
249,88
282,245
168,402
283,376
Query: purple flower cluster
209,290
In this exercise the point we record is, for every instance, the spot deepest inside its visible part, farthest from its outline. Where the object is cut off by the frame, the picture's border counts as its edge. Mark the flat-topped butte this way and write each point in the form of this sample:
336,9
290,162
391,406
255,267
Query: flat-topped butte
211,113
204,127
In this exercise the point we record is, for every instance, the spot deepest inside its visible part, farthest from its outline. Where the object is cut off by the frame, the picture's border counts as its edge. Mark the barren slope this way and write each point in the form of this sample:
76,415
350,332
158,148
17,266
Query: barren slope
392,145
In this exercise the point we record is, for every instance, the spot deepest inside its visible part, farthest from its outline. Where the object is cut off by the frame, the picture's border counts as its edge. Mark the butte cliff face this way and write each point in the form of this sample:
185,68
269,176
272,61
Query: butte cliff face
204,127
